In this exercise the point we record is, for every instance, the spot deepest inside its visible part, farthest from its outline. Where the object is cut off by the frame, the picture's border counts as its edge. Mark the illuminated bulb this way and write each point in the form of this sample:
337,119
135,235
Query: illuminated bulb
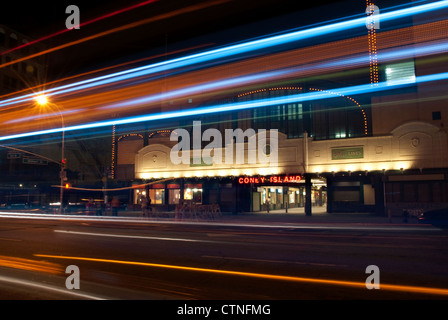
41,100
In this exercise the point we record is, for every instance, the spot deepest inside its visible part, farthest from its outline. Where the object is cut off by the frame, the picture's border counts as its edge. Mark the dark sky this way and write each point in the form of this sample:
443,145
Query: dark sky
39,18
233,20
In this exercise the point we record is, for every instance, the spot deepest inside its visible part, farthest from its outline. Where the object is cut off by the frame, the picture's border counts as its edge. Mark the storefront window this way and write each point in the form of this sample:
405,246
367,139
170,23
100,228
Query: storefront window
157,196
292,197
138,196
193,193
174,196
280,195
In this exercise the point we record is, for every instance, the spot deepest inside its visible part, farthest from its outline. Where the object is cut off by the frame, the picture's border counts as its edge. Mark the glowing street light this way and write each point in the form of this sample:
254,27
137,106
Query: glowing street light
43,101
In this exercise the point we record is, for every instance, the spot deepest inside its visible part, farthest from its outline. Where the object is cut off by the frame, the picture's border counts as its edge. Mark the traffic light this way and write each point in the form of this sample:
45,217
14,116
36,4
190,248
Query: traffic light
67,186
64,163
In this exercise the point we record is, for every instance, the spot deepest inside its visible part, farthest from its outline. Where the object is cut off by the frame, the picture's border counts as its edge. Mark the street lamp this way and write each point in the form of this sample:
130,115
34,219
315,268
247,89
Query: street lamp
43,101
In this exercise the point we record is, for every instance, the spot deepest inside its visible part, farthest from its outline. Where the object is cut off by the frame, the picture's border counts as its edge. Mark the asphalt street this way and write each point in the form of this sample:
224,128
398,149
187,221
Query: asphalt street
256,257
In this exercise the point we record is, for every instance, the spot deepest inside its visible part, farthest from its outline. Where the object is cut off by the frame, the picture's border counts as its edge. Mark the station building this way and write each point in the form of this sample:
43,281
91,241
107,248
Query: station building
337,165
380,152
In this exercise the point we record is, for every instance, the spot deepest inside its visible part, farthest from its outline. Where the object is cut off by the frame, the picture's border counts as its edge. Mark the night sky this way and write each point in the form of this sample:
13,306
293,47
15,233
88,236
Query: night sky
228,22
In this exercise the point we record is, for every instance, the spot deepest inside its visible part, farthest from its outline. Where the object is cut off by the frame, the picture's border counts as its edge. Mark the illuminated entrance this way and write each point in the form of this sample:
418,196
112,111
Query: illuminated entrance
282,192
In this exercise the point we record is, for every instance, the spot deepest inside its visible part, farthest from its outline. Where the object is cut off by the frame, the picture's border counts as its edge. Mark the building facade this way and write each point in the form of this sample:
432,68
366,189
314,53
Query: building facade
380,152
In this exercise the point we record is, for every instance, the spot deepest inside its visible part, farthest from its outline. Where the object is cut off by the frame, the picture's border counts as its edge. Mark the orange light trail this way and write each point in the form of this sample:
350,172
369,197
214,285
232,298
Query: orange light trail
30,265
355,284
139,186
49,84
94,101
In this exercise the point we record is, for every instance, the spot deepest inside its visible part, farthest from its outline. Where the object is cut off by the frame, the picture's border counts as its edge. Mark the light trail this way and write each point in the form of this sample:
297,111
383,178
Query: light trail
354,284
165,54
42,116
220,84
30,265
309,96
117,29
223,223
231,51
135,186
111,14
231,79
46,287
389,55
124,236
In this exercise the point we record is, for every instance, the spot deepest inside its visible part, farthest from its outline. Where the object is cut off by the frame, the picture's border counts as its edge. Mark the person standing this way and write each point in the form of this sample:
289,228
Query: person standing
148,206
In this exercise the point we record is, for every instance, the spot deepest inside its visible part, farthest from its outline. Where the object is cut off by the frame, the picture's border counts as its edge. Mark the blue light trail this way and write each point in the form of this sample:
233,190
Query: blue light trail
309,96
231,50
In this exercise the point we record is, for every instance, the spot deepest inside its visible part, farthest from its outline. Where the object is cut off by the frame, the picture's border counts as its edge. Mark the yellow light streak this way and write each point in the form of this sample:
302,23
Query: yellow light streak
139,186
51,84
30,265
361,285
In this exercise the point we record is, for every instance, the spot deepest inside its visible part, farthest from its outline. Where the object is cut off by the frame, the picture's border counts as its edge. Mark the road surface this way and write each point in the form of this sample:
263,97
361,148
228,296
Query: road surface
203,260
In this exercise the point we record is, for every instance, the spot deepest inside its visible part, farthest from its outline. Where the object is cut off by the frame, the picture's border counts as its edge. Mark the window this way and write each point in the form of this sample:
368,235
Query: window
157,196
336,118
193,193
174,196
436,115
403,72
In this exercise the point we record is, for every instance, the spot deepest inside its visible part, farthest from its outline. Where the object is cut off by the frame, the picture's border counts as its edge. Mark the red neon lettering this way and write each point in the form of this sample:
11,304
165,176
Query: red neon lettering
272,179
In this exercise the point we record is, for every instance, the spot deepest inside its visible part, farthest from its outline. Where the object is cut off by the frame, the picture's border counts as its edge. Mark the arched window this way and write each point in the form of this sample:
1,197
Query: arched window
335,118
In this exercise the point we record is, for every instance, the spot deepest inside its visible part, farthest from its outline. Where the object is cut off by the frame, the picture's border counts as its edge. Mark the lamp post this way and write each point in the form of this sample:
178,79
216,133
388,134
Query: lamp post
42,100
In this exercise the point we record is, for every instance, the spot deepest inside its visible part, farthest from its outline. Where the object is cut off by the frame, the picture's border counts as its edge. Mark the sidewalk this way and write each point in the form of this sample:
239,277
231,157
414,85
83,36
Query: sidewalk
294,215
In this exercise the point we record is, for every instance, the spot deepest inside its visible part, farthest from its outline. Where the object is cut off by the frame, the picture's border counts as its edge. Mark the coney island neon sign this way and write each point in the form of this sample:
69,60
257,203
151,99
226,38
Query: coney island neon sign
269,179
